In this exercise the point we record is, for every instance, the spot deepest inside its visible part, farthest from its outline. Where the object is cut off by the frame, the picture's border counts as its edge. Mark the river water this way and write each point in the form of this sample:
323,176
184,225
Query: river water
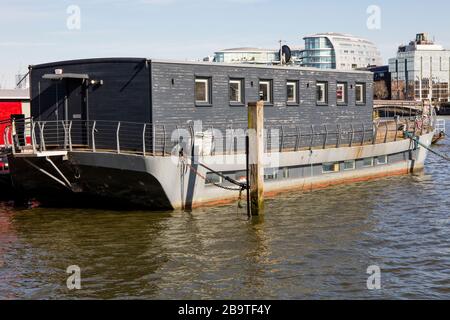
317,244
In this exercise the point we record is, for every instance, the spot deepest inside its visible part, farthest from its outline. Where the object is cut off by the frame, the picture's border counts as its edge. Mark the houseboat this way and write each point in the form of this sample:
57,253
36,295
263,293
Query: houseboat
166,135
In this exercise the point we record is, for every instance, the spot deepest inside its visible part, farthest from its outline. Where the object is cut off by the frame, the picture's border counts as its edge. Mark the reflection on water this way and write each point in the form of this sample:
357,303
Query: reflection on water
309,245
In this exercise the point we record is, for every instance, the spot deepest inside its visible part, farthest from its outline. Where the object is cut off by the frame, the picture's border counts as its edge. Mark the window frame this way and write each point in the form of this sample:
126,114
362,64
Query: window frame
320,103
367,166
208,81
363,92
296,93
269,82
241,82
382,163
345,102
271,174
209,182
352,168
336,167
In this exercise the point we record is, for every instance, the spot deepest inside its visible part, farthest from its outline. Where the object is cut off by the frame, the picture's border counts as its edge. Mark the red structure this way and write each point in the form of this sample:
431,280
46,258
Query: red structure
12,102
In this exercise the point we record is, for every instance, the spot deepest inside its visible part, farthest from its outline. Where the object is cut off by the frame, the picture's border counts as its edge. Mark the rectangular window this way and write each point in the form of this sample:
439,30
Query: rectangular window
203,91
330,167
360,93
349,165
341,93
236,91
212,178
292,93
382,159
322,93
271,174
265,91
368,162
285,172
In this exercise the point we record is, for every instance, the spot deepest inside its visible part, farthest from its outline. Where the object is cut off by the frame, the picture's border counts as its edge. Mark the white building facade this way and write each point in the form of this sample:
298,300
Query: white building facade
421,71
339,51
256,56
247,55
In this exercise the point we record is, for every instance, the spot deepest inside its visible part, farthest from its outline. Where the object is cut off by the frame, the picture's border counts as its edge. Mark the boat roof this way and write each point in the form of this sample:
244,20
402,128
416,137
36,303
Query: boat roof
187,62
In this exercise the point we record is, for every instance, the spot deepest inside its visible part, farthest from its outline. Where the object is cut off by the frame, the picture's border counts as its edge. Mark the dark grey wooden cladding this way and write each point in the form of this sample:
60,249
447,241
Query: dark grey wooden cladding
173,95
124,95
162,93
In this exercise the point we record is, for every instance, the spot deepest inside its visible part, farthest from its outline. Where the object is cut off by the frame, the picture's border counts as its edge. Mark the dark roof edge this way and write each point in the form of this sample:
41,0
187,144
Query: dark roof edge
87,61
137,60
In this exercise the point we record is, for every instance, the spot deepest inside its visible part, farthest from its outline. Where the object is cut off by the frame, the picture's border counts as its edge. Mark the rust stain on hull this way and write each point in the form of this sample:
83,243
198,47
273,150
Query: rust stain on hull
311,186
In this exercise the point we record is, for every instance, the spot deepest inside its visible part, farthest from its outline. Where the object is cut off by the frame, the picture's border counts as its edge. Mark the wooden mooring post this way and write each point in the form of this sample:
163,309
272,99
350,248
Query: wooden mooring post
255,156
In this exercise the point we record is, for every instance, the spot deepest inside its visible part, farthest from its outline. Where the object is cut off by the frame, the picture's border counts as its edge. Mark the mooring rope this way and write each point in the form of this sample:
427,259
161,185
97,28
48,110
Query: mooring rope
242,186
416,140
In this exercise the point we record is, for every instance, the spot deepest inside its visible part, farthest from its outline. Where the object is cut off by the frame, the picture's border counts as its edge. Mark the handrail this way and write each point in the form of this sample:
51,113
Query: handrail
155,139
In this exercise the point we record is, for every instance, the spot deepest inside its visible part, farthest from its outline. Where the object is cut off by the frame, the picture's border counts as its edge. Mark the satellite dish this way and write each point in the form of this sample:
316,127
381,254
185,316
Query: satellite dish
285,54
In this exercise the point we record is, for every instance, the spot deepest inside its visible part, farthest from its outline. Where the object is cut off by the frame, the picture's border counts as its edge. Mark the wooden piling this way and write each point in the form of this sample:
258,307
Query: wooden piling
256,154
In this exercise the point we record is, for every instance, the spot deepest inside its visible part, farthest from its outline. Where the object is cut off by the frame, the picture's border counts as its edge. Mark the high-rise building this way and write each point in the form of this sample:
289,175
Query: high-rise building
421,71
339,51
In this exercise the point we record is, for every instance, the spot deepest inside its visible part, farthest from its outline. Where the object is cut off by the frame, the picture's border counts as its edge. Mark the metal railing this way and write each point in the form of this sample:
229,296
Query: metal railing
213,138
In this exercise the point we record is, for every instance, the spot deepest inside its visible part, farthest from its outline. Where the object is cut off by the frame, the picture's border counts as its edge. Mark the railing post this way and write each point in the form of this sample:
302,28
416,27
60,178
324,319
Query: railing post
41,135
352,136
164,141
297,138
66,140
387,131
33,136
338,133
70,135
13,133
363,138
213,146
117,137
396,129
192,134
312,138
153,139
282,139
375,133
326,137
143,139
93,136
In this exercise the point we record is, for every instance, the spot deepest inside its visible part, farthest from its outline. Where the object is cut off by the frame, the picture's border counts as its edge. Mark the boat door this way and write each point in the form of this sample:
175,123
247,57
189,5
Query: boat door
76,111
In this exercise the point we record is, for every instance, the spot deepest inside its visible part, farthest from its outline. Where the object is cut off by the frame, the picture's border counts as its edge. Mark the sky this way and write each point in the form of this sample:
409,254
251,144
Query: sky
33,32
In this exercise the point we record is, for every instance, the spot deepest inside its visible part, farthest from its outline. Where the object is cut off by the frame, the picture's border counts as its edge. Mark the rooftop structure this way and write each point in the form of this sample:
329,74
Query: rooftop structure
339,51
247,55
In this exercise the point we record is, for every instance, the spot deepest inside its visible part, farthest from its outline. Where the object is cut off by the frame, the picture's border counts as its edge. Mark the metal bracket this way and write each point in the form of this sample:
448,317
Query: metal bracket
66,184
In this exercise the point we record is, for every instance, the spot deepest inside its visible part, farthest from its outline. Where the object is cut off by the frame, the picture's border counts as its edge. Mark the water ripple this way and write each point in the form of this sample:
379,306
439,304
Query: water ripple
309,245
